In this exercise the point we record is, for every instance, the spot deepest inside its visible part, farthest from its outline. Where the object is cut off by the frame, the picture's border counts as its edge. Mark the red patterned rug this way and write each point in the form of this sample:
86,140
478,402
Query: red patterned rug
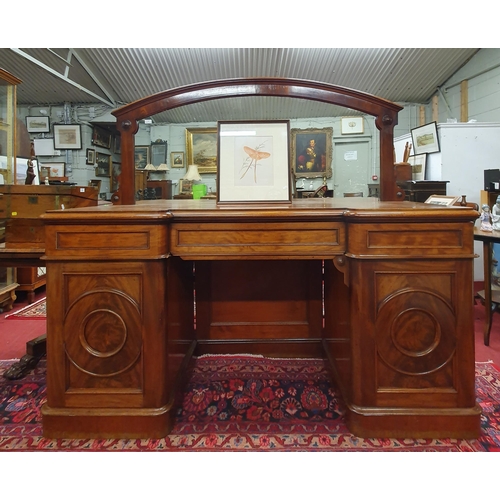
37,310
243,403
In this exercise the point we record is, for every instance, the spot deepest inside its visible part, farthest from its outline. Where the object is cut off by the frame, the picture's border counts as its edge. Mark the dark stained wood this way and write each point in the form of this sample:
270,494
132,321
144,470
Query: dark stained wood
385,113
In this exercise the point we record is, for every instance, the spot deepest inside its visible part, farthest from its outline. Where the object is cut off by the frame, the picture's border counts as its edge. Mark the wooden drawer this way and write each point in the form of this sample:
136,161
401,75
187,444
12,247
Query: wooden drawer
405,240
313,240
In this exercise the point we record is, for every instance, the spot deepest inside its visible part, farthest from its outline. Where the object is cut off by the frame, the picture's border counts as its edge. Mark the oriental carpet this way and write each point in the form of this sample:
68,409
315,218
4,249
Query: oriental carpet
37,310
243,403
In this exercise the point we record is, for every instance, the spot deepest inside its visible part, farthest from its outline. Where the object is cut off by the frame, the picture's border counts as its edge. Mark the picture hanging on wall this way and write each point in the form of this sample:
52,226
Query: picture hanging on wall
90,158
201,147
141,157
425,139
311,152
52,170
38,124
351,125
67,137
101,137
103,165
177,159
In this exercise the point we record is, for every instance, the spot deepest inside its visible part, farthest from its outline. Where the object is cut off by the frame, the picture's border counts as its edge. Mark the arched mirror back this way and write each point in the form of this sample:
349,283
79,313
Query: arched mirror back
385,113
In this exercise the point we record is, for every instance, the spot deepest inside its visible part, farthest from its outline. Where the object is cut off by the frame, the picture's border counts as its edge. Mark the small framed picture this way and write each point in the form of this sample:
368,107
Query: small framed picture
141,154
418,165
36,124
425,139
90,158
67,137
352,125
441,199
52,170
103,165
177,159
101,137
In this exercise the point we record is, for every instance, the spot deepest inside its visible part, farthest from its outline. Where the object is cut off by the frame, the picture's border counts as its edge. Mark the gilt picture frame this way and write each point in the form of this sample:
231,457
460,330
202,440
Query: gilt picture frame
253,161
177,159
311,159
201,149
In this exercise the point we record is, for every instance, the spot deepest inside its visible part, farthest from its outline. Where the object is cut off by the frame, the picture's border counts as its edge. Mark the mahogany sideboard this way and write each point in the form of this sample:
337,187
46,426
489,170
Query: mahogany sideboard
382,289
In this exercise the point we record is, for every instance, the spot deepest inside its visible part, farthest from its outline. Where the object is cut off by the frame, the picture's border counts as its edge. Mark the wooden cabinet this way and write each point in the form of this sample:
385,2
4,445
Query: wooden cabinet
421,190
162,189
384,293
8,123
29,280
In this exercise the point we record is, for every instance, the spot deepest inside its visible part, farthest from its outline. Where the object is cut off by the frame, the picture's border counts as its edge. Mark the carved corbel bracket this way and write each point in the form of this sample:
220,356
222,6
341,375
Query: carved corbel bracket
342,264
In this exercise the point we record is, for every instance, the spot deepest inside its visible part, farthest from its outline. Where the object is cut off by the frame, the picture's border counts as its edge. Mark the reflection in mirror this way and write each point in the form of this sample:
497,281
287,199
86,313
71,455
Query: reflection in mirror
346,142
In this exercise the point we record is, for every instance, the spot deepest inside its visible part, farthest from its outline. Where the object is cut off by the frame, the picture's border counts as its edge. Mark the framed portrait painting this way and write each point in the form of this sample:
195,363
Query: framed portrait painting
201,147
253,162
311,152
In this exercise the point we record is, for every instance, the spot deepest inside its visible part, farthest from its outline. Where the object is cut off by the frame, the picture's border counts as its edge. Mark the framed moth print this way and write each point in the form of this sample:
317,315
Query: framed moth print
67,137
253,161
311,152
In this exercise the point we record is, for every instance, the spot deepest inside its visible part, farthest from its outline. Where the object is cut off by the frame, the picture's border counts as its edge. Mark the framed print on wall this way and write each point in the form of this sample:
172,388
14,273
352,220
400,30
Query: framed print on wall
51,170
90,157
311,152
177,159
103,165
201,147
101,137
351,125
67,137
36,124
425,139
253,161
141,157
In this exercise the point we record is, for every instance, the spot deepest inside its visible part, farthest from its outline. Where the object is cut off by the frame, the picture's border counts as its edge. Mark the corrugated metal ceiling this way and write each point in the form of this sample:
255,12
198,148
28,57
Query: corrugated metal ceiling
116,76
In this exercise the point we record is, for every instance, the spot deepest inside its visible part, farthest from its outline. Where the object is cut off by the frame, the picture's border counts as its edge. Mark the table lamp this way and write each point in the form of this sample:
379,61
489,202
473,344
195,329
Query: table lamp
192,174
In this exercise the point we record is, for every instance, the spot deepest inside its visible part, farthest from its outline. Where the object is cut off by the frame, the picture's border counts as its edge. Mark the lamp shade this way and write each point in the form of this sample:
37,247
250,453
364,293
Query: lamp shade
162,166
149,166
192,173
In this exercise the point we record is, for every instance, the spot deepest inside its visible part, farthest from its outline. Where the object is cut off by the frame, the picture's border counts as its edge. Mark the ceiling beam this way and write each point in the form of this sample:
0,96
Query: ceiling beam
110,102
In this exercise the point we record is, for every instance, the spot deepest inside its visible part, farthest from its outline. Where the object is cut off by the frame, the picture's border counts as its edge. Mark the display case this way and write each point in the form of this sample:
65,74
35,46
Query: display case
8,85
